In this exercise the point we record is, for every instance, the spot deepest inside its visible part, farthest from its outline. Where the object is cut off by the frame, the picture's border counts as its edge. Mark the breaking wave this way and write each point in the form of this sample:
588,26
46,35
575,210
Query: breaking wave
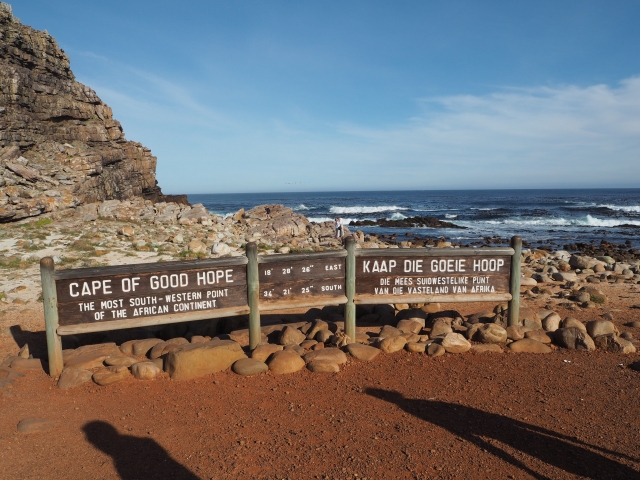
587,221
356,210
622,208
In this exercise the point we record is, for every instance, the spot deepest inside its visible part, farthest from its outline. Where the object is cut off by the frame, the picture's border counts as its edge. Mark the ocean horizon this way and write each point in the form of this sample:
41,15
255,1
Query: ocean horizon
540,216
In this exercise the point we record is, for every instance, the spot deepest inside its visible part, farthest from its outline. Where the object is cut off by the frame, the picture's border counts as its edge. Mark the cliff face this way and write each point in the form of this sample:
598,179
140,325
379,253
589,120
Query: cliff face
59,144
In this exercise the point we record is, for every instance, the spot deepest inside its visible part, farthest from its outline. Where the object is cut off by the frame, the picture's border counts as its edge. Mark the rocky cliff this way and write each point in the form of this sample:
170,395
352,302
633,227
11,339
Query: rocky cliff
60,146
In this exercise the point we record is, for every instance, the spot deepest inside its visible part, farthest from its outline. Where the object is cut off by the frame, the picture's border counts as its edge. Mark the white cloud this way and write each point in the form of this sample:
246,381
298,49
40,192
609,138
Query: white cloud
560,136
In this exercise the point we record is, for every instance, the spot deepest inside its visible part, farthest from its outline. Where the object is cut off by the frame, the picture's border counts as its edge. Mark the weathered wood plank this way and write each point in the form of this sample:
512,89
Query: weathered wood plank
294,257
149,267
283,292
433,284
379,299
403,265
156,282
113,309
148,321
303,303
291,271
434,252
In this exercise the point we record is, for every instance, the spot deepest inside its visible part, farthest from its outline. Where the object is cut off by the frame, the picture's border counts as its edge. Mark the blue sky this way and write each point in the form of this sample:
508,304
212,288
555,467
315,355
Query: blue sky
275,96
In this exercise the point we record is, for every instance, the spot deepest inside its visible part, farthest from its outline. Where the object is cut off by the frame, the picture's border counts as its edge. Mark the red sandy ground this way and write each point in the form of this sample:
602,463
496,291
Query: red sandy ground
473,416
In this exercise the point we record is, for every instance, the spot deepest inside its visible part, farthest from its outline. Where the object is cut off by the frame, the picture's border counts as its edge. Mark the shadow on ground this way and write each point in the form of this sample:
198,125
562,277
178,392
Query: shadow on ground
135,458
479,428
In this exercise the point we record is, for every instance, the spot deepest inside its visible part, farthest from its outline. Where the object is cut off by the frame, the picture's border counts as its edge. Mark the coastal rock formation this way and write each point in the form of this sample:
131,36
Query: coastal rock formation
60,146
410,222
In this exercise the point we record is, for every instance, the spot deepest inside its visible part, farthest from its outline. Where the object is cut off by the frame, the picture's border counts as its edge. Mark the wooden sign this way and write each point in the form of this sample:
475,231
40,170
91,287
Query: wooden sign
415,276
289,280
108,298
87,296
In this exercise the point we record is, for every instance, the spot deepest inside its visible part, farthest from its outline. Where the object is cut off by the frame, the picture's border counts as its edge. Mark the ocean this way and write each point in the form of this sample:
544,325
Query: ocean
540,217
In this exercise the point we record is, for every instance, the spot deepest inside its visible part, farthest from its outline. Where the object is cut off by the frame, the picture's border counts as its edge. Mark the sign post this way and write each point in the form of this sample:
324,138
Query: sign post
514,303
50,300
253,286
350,281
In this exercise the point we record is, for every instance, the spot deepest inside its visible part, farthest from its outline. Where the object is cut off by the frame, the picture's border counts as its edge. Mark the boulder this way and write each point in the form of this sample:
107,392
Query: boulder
573,338
142,347
415,347
455,343
323,336
332,355
120,361
389,331
539,335
319,366
198,359
486,348
196,246
595,328
551,322
365,353
440,328
409,326
491,333
110,375
569,276
435,350
73,377
220,249
87,361
27,364
528,345
249,366
127,347
573,322
157,350
262,352
392,344
613,344
317,326
145,370
291,336
286,361
296,348
516,332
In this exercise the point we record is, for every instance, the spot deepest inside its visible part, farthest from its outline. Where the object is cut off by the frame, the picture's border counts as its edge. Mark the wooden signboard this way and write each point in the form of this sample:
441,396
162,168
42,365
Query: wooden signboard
109,298
313,279
418,276
91,298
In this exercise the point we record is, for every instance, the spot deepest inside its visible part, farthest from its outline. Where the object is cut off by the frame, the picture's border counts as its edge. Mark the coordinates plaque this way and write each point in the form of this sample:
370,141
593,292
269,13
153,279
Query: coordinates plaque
287,279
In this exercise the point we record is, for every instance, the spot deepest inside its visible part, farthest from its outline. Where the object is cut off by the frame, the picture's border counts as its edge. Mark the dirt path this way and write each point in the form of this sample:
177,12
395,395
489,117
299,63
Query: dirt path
561,415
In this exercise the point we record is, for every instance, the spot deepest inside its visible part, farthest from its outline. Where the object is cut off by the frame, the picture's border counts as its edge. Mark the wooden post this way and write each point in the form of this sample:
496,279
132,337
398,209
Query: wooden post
50,299
350,287
253,295
514,282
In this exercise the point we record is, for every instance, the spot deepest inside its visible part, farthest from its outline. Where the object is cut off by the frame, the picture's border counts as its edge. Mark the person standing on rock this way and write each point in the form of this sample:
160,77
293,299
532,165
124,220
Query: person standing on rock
338,225
268,211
